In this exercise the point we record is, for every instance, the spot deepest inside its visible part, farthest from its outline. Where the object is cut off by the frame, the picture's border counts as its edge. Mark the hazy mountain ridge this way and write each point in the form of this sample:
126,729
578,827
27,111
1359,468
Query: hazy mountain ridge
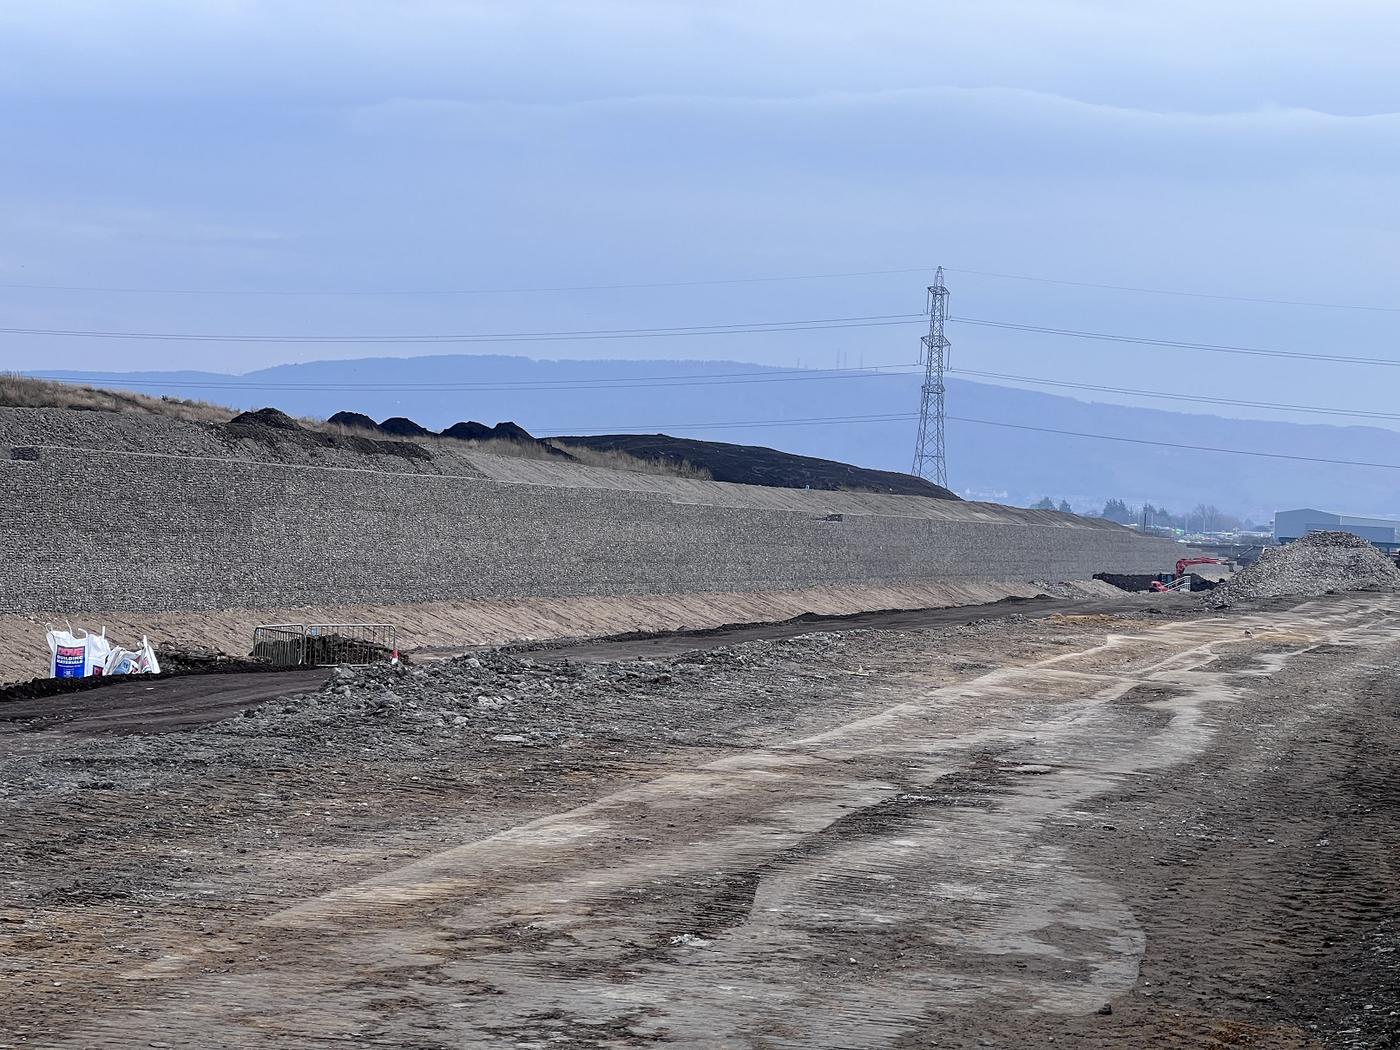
985,462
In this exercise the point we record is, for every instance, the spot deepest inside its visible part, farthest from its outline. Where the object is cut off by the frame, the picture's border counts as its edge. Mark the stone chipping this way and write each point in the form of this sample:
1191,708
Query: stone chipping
485,703
1316,564
205,523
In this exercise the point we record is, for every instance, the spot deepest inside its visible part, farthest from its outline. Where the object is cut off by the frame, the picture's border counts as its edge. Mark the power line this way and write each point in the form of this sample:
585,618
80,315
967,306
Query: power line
776,375
753,327
749,328
655,428
701,283
622,383
1177,344
1201,399
897,417
524,290
1176,292
1173,444
783,375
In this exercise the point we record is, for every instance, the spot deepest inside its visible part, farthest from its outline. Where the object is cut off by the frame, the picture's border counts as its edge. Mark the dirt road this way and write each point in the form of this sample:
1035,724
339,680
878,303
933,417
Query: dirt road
158,705
674,643
1084,831
162,705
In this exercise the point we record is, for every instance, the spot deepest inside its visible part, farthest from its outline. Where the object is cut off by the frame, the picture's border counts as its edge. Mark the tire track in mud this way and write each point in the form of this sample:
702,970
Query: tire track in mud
835,890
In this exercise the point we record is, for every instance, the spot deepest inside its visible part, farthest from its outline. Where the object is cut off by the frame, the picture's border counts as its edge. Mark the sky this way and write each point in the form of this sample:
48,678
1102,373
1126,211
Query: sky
194,167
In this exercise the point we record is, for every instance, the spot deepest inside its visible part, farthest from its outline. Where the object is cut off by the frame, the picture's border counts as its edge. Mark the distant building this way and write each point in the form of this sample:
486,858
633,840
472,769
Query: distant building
1290,524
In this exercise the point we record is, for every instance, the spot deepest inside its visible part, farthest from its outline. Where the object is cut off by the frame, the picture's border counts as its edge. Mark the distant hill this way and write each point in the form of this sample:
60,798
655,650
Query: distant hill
739,402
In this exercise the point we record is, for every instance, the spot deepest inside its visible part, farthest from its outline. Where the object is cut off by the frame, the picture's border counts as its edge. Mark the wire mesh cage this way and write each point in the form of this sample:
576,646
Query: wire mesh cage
280,644
324,644
349,643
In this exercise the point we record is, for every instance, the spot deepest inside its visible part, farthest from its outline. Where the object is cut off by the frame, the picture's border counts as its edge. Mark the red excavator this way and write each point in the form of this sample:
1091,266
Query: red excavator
1181,566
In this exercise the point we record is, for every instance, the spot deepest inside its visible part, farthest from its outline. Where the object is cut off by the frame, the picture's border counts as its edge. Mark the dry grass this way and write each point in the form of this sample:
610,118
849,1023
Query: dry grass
18,391
608,460
513,449
585,456
611,459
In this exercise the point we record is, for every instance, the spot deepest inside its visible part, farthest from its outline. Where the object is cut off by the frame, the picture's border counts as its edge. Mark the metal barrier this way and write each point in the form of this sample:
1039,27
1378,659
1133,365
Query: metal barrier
324,644
350,643
280,644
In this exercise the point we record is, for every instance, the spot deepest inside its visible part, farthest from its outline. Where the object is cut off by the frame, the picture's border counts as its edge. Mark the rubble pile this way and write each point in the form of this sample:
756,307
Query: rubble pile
489,703
498,698
1319,563
499,709
1077,589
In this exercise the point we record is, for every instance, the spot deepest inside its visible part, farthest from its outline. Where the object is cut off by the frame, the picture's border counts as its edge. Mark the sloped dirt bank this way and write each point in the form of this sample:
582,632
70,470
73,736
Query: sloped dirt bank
449,626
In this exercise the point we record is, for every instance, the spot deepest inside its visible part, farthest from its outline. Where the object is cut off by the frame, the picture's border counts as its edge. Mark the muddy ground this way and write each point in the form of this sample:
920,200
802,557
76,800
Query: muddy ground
1089,830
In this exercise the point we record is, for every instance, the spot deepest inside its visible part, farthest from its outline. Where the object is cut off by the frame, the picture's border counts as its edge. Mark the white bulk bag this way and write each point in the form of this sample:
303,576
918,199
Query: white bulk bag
132,661
149,663
82,654
98,649
76,654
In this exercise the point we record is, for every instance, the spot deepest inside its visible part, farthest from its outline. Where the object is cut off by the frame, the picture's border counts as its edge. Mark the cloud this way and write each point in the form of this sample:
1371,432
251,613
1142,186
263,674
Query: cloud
96,223
997,131
1198,55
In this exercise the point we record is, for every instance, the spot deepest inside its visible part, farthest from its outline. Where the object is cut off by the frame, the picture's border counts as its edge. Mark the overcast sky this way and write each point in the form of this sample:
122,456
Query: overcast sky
1247,149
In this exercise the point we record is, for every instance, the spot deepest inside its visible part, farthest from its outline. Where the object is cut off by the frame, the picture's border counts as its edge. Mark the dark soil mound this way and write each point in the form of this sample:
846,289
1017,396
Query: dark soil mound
186,659
357,420
1140,582
326,649
401,426
320,650
271,427
172,665
265,418
469,430
1136,582
755,465
509,431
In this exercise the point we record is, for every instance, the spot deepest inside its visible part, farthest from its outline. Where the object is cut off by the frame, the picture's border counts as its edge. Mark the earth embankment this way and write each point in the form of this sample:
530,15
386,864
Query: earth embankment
157,516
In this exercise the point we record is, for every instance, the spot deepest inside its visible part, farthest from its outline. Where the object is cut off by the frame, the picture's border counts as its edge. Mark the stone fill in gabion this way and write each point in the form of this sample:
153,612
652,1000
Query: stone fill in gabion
1318,563
103,511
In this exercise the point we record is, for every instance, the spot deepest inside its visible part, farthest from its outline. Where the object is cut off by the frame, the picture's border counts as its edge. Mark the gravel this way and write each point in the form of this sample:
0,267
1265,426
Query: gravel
1319,563
449,709
479,708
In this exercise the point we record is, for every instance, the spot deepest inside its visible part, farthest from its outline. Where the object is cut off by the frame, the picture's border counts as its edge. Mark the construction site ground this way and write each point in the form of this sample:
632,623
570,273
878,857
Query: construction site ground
1087,827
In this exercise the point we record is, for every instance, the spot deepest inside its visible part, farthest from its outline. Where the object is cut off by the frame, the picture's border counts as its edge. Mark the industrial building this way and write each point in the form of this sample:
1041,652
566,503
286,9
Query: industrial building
1290,524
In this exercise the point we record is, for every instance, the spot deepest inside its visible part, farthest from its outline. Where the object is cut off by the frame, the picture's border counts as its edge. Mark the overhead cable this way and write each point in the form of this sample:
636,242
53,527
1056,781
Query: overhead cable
897,417
1177,292
1176,344
751,327
507,290
1174,444
779,375
1162,395
544,289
